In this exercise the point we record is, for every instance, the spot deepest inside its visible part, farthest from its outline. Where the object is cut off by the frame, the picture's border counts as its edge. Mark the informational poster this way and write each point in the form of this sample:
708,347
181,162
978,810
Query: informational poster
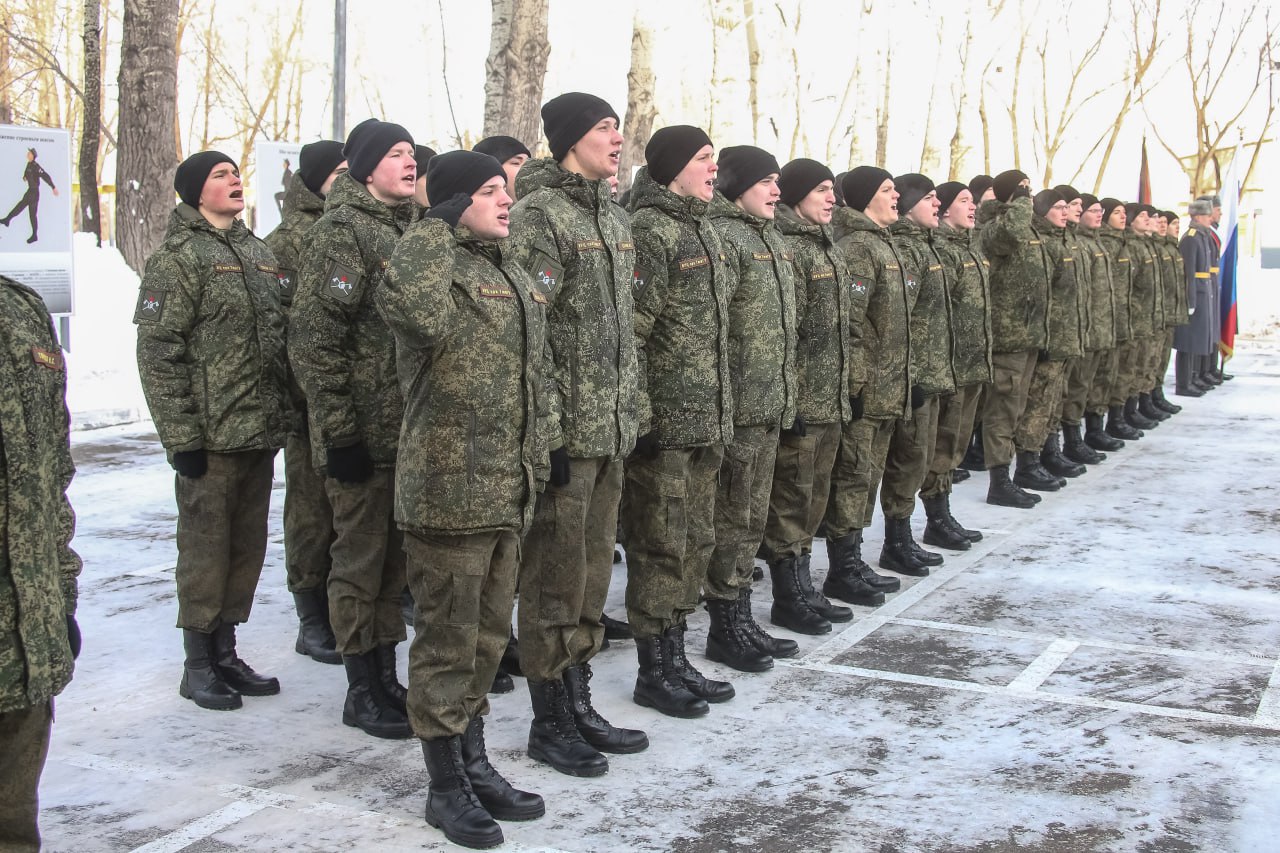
35,212
274,165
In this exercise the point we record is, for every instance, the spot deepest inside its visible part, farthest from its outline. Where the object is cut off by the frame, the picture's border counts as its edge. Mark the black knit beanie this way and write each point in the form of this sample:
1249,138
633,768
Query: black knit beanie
1044,200
422,155
1006,182
979,185
911,187
1132,209
369,143
194,171
670,150
502,148
1087,201
798,178
839,188
567,118
741,166
860,185
460,172
1068,192
355,134
947,193
1108,207
317,160
1170,215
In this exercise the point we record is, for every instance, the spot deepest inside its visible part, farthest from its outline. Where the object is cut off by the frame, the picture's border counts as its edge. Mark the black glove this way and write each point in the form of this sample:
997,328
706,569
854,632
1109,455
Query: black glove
350,464
191,463
797,428
647,445
1042,355
855,405
1020,192
73,636
451,211
560,467
917,396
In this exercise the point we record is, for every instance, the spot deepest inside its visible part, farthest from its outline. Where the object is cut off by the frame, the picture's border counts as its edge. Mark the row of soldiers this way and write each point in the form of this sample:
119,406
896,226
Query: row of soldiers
472,393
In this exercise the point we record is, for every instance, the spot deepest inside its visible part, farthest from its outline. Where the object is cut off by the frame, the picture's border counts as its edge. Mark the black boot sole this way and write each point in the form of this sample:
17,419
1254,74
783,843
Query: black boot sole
475,842
692,711
937,541
891,565
498,813
1038,485
865,599
228,703
611,748
719,655
1013,502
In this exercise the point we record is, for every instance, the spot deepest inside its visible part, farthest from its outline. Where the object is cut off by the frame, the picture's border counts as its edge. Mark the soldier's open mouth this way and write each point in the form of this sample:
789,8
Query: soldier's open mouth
237,194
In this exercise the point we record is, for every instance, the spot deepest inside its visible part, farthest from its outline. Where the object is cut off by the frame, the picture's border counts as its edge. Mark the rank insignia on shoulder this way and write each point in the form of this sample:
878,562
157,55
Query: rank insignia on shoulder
51,359
343,283
150,306
1191,232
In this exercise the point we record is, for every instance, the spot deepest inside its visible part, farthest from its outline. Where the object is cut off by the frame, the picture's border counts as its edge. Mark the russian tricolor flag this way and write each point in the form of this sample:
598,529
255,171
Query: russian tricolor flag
1228,266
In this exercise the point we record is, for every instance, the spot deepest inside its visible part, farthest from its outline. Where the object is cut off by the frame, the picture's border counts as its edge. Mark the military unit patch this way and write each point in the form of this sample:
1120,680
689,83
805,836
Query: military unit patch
150,306
547,273
288,282
343,283
858,286
639,280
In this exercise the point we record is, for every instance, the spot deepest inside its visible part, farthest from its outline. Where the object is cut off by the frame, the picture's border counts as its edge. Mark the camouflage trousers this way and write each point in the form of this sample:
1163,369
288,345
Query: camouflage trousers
24,745
1104,392
1005,402
1163,354
222,538
1134,361
668,512
956,415
860,461
308,519
800,490
368,574
1080,379
742,508
910,455
566,569
1044,401
464,586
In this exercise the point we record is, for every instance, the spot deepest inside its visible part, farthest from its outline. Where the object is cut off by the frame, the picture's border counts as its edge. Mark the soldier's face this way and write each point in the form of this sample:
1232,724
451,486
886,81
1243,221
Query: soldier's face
819,204
512,168
761,198
333,176
596,155
1118,218
883,207
1057,215
223,193
961,212
1141,222
925,211
1074,208
698,177
488,217
1175,228
395,177
1161,226
420,191
1215,219
987,195
1092,218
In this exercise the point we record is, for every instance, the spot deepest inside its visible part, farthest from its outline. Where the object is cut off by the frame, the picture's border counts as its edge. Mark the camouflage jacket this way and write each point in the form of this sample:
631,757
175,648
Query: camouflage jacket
341,350
38,569
1021,269
884,355
762,317
684,284
828,320
211,349
932,349
1067,318
1146,313
1173,292
577,243
472,357
970,298
1093,268
1116,244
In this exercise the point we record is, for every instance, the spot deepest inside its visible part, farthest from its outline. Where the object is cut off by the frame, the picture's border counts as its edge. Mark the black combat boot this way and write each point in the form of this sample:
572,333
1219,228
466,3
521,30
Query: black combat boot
938,531
1055,463
975,455
1074,447
615,629
791,608
971,535
595,729
365,707
844,556
927,557
315,636
392,690
1160,401
1133,415
697,683
959,475
202,683
818,601
897,555
1096,435
658,686
236,672
774,647
1150,410
1118,426
728,641
1030,474
452,804
499,798
1002,491
1184,373
553,735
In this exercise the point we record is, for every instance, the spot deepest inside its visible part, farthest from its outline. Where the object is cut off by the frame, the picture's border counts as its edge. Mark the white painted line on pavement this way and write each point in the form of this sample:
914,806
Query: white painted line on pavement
199,829
1269,706
1043,666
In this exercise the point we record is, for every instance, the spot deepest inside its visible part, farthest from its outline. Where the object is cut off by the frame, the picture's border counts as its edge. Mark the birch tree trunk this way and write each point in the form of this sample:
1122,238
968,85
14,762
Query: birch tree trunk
514,71
641,112
91,126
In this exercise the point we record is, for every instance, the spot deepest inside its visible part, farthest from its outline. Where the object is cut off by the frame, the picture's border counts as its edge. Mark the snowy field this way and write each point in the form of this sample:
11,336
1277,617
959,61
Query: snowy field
1099,674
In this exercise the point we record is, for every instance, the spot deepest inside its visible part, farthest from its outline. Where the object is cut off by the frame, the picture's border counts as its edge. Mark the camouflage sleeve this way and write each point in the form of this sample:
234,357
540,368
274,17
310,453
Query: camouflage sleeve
325,306
1010,227
862,285
414,297
69,563
652,279
168,300
530,233
550,406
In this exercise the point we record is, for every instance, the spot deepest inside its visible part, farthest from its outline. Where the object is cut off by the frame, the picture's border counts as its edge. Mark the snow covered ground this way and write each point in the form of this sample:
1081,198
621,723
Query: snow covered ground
1099,674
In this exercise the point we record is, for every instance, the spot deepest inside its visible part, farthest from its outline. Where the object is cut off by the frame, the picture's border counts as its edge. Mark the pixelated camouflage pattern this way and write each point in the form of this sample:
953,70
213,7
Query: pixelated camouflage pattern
341,350
1093,269
931,331
683,288
473,362
829,318
762,317
38,569
877,273
1173,292
1116,244
577,244
1146,312
211,350
1021,269
970,303
1067,318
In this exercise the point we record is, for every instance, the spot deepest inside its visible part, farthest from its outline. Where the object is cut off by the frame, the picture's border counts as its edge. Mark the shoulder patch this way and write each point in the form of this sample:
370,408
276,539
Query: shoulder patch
546,272
52,359
288,282
150,306
858,286
1191,232
639,280
342,283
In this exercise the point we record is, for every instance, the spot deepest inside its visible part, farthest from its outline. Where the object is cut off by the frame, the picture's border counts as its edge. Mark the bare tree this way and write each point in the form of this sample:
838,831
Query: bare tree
753,66
91,126
882,114
641,111
957,150
147,157
514,71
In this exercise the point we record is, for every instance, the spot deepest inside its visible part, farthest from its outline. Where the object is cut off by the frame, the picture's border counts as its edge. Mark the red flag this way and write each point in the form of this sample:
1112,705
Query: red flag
1144,177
